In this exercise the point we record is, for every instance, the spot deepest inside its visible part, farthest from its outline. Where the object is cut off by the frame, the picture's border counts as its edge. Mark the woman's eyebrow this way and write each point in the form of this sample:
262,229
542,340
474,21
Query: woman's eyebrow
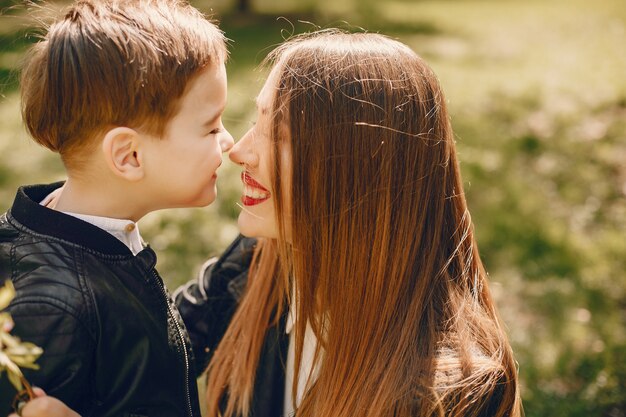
264,111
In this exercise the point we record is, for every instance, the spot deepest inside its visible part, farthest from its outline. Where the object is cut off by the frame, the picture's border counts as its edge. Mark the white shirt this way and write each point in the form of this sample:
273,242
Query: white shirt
126,231
307,375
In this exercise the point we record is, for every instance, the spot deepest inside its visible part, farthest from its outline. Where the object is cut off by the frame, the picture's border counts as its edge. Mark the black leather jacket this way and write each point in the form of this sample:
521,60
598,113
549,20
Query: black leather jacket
113,341
207,306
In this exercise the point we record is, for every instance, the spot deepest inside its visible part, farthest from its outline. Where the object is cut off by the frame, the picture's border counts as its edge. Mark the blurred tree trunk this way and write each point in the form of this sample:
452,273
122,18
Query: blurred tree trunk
243,6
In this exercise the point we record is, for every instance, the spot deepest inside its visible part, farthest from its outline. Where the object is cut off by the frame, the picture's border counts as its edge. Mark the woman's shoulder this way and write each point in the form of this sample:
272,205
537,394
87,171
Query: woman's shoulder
238,254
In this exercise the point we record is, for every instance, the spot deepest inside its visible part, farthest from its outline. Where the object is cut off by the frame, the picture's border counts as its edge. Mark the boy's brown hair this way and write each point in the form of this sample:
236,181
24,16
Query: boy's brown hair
113,63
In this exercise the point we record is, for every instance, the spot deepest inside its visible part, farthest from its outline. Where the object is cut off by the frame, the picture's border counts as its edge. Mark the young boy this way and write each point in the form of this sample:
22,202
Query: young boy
130,94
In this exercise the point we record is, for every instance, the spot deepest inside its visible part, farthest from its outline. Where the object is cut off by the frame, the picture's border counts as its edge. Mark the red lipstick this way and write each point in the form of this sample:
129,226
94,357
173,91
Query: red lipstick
253,193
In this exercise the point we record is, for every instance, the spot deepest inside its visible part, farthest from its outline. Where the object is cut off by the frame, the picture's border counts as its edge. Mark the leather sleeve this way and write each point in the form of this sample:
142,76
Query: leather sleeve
208,303
66,361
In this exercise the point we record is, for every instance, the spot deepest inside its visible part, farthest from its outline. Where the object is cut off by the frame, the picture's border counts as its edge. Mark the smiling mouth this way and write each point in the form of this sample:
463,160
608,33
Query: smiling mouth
253,192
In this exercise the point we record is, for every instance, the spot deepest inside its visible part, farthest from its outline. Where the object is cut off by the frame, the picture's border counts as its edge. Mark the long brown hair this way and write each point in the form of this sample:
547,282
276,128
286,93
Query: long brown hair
382,260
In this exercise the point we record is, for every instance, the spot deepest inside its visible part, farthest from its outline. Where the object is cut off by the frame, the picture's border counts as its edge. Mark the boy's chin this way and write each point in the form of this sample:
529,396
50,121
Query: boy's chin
203,200
209,201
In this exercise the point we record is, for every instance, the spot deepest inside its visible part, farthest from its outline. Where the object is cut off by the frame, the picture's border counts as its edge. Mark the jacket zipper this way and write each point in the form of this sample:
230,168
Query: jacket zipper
182,341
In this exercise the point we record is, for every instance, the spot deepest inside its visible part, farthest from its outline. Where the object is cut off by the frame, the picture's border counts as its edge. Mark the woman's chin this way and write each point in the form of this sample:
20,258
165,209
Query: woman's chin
246,226
252,226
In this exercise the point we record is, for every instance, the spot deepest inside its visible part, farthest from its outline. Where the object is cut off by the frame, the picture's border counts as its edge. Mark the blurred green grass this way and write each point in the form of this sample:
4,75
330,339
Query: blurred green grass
537,96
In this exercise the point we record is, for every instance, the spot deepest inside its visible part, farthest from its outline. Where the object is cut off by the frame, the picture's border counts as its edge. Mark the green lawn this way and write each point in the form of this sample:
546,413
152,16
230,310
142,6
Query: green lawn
537,92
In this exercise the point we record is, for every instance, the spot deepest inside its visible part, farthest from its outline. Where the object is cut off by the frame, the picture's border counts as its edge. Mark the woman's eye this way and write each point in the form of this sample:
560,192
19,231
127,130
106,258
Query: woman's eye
215,131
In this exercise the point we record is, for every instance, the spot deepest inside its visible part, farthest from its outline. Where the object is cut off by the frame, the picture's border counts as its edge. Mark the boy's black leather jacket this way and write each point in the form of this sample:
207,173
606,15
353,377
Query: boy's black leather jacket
207,306
113,341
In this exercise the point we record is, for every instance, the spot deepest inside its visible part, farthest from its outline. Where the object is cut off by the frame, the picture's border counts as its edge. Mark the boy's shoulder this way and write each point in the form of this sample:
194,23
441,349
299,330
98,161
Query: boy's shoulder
29,220
55,257
43,270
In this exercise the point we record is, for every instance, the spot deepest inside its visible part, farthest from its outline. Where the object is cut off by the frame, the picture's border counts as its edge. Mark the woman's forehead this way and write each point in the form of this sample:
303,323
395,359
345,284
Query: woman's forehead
268,91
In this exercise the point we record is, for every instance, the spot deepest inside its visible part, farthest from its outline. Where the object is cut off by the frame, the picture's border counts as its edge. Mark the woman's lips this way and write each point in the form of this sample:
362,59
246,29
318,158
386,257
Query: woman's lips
253,192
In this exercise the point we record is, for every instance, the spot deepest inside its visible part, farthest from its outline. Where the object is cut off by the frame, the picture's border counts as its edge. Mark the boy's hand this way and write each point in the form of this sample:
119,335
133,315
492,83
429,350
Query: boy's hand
44,406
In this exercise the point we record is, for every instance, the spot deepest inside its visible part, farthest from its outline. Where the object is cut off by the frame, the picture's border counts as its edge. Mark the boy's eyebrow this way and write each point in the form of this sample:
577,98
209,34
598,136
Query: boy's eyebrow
214,118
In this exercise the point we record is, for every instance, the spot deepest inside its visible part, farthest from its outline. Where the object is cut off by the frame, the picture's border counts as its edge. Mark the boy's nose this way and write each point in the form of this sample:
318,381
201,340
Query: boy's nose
226,141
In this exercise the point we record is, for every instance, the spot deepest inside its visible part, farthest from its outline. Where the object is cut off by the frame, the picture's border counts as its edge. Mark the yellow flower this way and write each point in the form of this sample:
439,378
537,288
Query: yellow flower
13,352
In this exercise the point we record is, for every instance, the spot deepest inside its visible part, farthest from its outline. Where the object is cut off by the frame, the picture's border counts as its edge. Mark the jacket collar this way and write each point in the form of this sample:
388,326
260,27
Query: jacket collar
27,211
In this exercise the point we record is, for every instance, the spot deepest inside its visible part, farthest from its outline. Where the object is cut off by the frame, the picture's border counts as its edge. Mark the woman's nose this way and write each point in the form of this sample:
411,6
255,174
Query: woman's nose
242,153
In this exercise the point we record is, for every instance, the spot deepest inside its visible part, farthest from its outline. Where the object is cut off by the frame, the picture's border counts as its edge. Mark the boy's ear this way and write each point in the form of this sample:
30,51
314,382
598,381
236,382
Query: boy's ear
121,152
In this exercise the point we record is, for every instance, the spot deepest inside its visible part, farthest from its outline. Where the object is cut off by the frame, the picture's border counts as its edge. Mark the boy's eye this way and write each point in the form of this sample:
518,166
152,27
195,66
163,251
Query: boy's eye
215,131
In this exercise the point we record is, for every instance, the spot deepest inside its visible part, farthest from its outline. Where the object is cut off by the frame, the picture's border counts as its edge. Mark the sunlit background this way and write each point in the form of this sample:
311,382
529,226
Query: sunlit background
537,93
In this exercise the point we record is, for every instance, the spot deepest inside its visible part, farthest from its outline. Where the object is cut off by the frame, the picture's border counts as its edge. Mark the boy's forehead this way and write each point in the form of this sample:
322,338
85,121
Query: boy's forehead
209,83
205,97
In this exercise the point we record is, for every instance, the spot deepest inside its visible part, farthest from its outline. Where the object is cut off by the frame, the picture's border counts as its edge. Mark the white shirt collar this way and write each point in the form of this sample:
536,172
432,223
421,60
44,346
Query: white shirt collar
126,231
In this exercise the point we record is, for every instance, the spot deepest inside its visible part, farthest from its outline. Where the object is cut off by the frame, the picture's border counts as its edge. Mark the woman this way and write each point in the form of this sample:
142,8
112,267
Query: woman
351,179
366,280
